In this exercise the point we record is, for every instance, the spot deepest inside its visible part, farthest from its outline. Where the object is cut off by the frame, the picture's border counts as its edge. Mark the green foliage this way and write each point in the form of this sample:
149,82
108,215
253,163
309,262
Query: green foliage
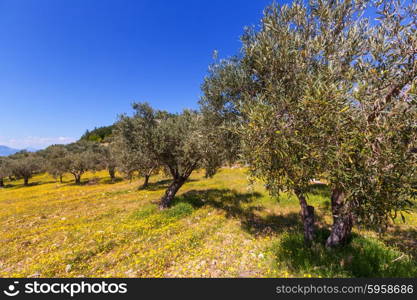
130,143
25,164
100,134
363,257
319,91
5,169
57,160
107,159
175,141
179,143
83,156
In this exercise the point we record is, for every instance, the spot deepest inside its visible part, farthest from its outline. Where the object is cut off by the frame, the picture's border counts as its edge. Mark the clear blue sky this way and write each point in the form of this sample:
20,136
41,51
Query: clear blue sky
71,65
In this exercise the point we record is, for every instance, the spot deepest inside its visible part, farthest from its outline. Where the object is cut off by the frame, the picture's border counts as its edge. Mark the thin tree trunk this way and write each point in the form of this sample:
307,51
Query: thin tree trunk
1,182
342,220
307,216
171,191
60,179
130,175
77,178
112,173
146,182
26,181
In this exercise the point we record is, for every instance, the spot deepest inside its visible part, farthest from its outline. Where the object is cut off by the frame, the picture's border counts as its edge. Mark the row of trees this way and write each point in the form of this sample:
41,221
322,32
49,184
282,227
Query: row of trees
58,160
20,165
323,91
146,143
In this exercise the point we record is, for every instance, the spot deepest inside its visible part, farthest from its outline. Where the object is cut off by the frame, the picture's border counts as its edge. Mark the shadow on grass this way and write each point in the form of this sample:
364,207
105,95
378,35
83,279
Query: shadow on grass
7,186
361,258
30,184
110,181
160,185
87,181
237,205
83,182
403,239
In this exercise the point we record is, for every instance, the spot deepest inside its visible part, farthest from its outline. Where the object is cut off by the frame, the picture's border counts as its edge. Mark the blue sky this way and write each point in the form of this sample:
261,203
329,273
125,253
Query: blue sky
71,65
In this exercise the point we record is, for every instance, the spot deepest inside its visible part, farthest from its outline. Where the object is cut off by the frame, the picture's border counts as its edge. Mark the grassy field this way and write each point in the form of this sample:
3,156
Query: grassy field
218,227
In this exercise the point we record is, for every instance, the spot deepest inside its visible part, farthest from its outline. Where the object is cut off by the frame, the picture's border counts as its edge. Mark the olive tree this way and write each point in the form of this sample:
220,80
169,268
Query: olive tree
5,169
57,161
133,151
180,143
375,167
107,159
306,103
25,164
183,145
284,92
82,157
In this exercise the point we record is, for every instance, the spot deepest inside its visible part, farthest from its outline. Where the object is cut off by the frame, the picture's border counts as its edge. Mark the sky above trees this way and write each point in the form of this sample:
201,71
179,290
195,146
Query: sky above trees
68,66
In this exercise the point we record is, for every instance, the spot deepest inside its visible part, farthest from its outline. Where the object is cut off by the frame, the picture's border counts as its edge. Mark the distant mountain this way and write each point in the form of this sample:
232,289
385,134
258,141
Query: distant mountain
4,151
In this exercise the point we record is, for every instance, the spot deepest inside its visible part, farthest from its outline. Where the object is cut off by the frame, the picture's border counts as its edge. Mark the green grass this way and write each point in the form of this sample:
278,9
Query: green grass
218,227
361,258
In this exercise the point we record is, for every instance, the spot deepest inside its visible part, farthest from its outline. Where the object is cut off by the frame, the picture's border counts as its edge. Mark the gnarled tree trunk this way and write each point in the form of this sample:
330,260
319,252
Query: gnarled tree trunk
171,191
77,178
307,216
342,220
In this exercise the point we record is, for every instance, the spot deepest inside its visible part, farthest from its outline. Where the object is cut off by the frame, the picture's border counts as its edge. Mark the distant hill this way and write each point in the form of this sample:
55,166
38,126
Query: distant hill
5,151
98,134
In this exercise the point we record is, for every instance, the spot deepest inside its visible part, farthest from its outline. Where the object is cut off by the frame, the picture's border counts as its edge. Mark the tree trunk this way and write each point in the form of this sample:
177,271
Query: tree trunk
77,178
146,182
1,182
342,220
60,179
26,181
112,173
170,192
307,216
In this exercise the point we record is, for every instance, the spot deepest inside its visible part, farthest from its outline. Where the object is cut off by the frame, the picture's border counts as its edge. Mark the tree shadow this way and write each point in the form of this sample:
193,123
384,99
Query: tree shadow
238,205
30,184
403,239
160,185
114,181
360,258
7,186
84,182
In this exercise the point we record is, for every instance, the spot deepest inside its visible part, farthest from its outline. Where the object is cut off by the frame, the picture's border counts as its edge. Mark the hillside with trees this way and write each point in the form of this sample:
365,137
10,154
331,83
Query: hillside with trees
300,161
